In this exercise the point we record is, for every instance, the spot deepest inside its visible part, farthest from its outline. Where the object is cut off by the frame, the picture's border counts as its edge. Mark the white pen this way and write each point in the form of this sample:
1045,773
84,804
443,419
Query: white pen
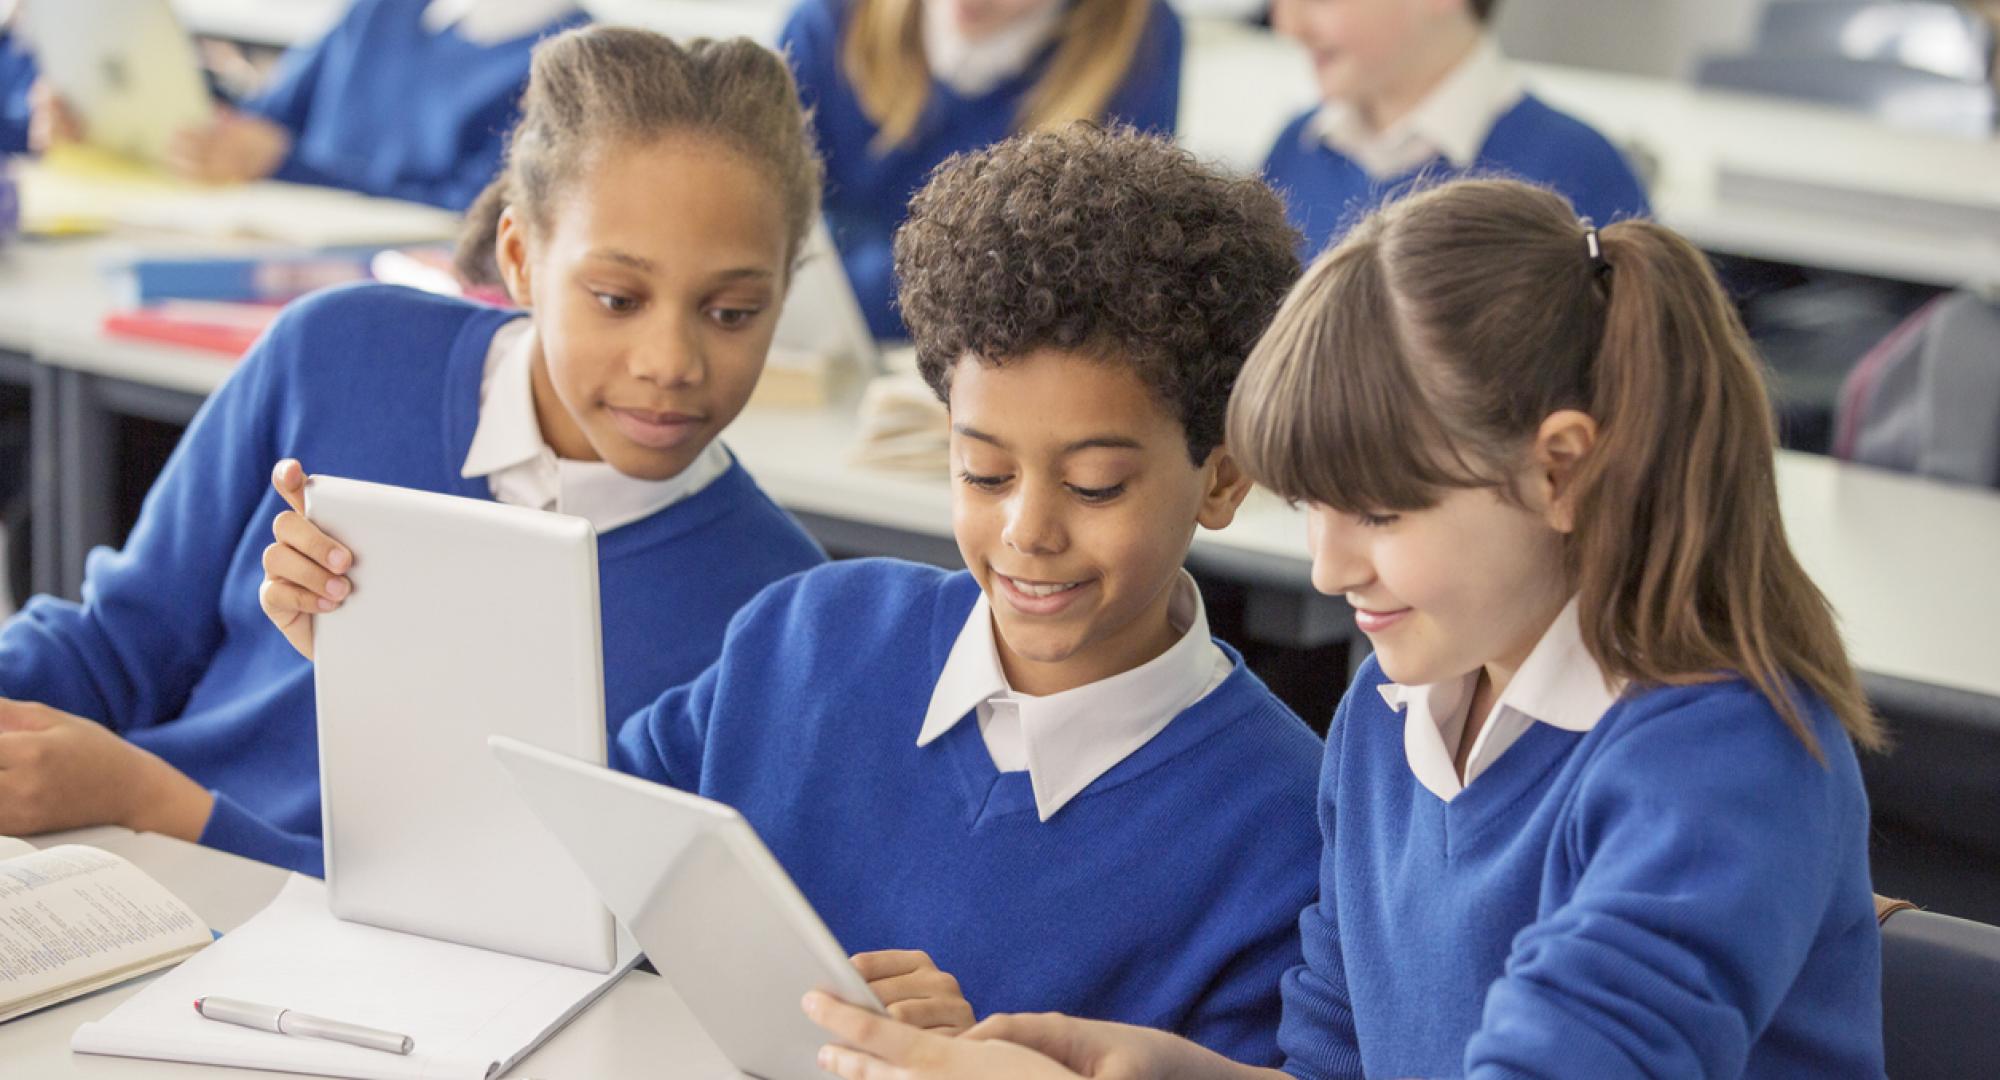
288,1022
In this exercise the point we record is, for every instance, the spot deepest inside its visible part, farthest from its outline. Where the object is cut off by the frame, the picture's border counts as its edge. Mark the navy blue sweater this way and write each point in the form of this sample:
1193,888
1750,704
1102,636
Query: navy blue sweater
1682,891
1167,893
867,192
170,646
1326,193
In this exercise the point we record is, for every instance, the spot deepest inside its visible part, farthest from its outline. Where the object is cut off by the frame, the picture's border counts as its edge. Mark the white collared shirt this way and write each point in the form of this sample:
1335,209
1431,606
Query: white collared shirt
1065,741
1559,684
520,469
974,67
490,22
1453,120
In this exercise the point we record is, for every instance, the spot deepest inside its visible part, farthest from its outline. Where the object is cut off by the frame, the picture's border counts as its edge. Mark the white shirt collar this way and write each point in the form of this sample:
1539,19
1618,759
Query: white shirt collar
1560,684
974,67
490,22
1454,119
520,469
1076,736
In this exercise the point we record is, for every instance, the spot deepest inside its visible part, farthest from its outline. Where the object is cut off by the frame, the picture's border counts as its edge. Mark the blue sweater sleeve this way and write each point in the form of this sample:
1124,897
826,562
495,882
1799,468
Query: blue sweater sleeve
1709,843
287,98
233,828
130,654
1150,98
1316,1034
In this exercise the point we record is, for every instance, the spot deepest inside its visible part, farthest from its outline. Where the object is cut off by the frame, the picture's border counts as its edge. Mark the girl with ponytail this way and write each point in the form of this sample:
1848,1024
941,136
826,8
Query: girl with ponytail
1593,808
653,200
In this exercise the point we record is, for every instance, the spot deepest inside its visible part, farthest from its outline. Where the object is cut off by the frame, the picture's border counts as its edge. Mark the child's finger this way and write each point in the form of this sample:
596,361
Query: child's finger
289,478
283,601
871,1033
292,530
952,1014
849,1065
288,565
924,983
889,963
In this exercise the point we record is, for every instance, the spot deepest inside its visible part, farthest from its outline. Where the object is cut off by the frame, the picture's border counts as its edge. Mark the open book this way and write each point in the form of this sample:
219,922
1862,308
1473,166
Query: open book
75,919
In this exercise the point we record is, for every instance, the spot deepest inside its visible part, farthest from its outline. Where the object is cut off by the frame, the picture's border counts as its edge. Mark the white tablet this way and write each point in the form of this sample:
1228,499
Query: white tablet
126,67
821,313
468,619
707,902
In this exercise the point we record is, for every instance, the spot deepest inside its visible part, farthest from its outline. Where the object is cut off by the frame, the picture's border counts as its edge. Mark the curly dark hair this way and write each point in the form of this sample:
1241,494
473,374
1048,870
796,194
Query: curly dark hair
1107,243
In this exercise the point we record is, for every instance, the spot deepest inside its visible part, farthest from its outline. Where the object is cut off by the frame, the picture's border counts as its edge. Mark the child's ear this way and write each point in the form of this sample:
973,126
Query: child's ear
1561,444
510,253
1223,488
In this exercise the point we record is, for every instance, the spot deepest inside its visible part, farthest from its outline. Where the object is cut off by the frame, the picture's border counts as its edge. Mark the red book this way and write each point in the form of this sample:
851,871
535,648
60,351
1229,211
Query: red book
228,329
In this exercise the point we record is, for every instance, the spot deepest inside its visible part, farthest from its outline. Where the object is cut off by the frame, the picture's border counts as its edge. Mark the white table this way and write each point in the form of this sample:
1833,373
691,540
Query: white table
638,1029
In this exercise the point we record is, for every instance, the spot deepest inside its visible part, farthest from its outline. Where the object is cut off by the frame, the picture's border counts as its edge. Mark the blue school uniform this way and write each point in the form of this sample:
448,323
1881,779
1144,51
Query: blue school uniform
1681,890
170,647
868,191
1326,192
1166,893
383,106
17,76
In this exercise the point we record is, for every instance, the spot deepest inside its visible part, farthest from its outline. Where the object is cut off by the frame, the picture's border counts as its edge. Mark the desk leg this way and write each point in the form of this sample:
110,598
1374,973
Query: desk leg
45,479
86,457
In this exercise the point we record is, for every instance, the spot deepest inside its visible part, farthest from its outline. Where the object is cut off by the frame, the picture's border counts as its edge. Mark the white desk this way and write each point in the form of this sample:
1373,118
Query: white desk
1830,188
638,1029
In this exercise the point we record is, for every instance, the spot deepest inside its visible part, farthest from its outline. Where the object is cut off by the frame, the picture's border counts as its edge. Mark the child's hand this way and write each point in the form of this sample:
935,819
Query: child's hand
303,568
59,771
51,122
914,991
873,1047
233,148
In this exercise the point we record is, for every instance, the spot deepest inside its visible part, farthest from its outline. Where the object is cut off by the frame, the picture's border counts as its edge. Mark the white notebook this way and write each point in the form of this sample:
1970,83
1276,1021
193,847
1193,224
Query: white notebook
472,1013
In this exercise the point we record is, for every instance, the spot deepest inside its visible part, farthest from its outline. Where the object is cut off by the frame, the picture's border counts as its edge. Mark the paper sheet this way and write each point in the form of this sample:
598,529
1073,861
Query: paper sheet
471,1012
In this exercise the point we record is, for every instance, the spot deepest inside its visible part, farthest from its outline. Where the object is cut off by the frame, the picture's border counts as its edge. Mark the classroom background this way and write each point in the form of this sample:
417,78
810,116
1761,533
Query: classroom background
1839,160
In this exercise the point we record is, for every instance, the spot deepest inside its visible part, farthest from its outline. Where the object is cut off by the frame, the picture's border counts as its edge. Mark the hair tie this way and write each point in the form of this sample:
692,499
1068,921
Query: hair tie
1593,246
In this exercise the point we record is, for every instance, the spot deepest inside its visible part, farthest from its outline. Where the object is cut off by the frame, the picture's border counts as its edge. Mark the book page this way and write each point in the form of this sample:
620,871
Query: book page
74,917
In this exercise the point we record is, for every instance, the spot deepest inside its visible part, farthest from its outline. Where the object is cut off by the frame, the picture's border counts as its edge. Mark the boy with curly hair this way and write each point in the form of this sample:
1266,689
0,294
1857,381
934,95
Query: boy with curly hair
1038,773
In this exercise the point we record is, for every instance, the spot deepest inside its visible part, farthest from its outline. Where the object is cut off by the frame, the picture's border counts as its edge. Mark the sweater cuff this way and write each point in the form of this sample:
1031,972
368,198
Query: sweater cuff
233,828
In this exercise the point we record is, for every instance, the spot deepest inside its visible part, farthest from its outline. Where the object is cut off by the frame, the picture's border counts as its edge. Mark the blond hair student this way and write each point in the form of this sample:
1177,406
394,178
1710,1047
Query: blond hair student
654,200
1593,809
897,86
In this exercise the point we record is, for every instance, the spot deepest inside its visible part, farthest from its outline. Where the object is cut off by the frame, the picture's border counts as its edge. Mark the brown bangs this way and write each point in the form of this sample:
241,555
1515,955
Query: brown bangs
1328,409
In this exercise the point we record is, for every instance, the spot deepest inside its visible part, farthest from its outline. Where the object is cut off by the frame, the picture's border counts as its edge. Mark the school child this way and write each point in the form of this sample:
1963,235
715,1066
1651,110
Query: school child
1417,89
409,99
1593,808
897,86
1040,777
653,202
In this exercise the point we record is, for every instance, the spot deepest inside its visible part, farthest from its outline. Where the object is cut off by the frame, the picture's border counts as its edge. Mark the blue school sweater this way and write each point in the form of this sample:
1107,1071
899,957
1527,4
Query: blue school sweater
867,192
1166,894
17,76
1682,891
1326,193
382,106
170,647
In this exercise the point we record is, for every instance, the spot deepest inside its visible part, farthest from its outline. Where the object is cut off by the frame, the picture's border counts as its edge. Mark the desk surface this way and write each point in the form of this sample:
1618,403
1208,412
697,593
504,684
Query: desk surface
634,1030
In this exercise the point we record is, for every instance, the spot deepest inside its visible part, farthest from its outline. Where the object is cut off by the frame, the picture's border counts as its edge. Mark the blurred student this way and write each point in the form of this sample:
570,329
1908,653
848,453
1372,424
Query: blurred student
408,99
897,86
1419,89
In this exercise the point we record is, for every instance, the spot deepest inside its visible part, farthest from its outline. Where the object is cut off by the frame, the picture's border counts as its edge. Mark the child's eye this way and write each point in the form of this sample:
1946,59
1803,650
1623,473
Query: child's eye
1378,521
983,483
733,318
1098,495
615,303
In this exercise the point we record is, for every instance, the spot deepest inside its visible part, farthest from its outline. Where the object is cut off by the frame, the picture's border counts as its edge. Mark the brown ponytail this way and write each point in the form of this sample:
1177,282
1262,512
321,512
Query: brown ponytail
600,85
1424,351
